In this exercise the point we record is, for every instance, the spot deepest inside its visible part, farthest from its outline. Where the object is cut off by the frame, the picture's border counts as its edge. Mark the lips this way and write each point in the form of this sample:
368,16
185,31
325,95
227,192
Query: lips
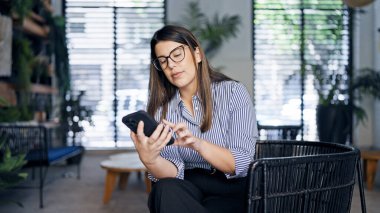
177,74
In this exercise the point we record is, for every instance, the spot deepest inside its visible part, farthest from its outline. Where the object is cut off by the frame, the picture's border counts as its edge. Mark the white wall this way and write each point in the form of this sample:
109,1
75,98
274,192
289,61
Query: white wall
376,51
235,55
367,54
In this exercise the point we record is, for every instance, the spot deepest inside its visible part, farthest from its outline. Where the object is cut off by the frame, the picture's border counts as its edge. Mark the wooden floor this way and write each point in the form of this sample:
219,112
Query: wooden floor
67,194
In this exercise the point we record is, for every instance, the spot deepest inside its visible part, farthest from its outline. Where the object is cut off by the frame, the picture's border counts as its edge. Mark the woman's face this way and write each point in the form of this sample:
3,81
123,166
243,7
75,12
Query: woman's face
177,63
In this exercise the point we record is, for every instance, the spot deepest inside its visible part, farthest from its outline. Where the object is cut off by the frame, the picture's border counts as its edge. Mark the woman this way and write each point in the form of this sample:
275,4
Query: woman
213,120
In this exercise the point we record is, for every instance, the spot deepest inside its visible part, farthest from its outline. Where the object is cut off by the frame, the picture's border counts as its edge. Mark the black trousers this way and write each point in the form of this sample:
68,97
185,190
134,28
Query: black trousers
201,191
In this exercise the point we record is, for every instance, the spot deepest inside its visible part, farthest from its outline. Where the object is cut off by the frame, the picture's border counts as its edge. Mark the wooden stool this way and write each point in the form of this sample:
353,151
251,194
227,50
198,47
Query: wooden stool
370,158
121,165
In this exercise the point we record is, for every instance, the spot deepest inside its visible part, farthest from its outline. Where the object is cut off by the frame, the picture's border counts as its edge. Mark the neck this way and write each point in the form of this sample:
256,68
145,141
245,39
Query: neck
188,92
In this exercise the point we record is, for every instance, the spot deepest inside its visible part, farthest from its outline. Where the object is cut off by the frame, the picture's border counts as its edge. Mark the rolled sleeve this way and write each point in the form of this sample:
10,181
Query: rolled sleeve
171,154
242,134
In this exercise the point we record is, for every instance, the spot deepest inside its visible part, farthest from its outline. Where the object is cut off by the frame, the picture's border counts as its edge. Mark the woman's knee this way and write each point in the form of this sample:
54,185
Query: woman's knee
162,193
174,194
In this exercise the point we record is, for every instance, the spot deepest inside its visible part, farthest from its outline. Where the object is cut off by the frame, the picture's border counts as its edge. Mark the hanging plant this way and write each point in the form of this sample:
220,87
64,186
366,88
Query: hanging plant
8,113
22,59
21,8
60,51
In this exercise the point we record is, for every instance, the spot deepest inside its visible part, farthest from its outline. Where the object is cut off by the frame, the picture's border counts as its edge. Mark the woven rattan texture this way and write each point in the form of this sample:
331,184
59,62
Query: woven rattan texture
299,176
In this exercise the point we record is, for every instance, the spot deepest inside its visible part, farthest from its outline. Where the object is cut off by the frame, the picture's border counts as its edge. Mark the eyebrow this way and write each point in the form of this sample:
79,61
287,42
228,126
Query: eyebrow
169,52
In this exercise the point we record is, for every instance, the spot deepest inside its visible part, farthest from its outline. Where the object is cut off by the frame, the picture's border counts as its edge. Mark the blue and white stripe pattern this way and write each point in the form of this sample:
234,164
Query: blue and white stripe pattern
234,127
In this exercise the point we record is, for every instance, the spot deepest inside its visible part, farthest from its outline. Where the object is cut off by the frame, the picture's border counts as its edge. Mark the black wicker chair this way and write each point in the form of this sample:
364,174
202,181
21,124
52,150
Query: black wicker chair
299,176
36,142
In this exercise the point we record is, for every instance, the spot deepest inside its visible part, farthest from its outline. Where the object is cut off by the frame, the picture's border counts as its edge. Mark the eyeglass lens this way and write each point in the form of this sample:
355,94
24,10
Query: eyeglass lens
176,55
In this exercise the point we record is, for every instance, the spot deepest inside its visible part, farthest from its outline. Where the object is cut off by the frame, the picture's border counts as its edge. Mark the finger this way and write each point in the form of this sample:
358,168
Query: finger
175,127
142,138
134,137
179,141
166,133
176,142
180,134
184,133
179,127
156,134
166,138
170,124
140,129
161,140
151,142
162,145
189,140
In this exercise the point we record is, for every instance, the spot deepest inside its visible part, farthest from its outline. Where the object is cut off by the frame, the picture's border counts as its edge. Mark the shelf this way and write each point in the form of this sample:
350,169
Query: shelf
33,28
43,89
34,88
8,93
37,17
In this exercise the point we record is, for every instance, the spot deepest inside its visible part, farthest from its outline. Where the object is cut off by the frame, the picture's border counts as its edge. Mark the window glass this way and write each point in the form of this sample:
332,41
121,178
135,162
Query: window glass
109,54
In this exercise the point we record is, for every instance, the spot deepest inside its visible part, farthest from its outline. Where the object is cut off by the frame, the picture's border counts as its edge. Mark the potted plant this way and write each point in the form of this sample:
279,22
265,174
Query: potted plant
10,166
210,32
334,110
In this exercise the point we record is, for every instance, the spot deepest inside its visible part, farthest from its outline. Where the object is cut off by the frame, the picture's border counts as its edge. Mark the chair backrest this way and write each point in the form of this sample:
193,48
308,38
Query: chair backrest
301,176
23,138
282,132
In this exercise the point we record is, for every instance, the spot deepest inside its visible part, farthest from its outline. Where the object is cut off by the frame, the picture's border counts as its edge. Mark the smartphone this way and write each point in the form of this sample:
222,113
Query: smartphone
132,120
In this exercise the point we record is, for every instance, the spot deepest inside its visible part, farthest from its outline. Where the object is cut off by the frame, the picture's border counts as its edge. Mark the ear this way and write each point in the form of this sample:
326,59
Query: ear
197,54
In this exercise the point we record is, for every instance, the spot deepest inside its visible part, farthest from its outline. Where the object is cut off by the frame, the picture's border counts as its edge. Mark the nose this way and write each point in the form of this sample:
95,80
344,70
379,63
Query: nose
171,63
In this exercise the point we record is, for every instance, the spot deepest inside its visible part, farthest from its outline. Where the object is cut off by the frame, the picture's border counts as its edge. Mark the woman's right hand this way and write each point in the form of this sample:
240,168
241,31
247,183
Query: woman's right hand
149,148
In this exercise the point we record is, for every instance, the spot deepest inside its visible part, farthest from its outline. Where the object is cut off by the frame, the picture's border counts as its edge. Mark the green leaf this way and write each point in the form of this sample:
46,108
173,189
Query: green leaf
367,83
9,179
11,163
21,7
210,32
360,114
4,102
10,166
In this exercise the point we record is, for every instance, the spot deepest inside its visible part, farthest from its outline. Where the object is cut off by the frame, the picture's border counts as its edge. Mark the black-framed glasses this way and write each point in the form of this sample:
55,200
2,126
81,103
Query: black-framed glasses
176,55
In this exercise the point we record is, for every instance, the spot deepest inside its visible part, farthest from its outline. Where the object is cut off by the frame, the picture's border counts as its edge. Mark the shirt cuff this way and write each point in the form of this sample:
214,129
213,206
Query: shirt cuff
242,161
180,170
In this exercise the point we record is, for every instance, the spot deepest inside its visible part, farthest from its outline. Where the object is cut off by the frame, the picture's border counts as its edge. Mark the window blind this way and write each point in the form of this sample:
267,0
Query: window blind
109,54
290,38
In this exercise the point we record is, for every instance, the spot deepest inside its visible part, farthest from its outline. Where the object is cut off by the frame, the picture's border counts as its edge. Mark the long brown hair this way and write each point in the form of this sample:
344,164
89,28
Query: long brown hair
161,91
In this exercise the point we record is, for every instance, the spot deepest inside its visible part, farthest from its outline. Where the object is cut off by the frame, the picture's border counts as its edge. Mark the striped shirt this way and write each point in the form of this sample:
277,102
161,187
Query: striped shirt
233,127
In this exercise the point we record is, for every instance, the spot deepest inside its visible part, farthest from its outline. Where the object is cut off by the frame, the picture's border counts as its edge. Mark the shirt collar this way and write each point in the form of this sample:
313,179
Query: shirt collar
178,100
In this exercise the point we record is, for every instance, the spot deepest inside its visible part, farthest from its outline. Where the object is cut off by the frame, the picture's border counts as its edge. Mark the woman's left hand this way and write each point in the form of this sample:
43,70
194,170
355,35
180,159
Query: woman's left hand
184,137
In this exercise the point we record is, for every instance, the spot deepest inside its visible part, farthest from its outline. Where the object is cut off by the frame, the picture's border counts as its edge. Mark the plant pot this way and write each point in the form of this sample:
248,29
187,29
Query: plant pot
334,123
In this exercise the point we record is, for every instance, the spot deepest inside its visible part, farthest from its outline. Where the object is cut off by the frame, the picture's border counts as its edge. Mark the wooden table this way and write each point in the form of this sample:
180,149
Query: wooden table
370,158
121,165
